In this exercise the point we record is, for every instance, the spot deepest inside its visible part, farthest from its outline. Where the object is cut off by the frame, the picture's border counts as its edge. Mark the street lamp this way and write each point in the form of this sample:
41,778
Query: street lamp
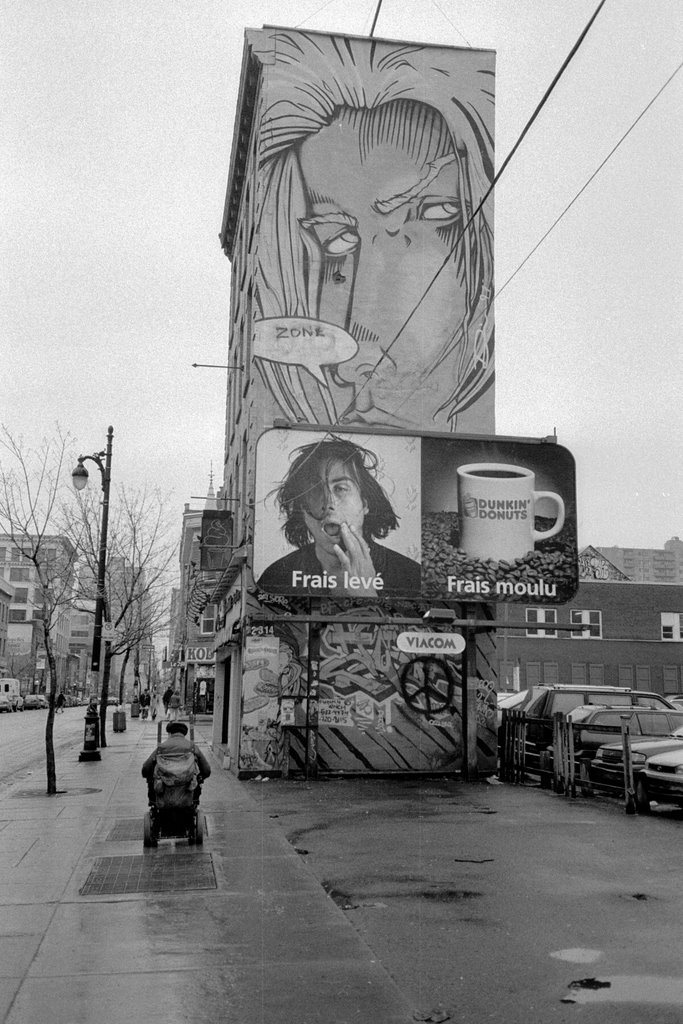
80,479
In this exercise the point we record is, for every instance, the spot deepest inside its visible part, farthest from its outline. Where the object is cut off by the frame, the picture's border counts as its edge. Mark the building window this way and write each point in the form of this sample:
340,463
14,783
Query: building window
670,677
626,675
596,675
208,624
533,673
643,677
17,615
21,595
536,616
20,575
671,626
590,619
578,675
551,674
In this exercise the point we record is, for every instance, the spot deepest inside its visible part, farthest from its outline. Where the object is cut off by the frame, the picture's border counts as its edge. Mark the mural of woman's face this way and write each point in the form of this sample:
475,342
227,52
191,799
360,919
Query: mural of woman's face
383,190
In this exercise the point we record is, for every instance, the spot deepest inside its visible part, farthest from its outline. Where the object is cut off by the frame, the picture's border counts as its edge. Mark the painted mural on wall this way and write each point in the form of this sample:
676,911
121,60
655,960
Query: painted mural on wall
376,708
374,291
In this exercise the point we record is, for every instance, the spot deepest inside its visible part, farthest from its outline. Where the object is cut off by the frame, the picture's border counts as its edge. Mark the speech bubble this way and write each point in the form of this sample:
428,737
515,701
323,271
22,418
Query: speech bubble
302,341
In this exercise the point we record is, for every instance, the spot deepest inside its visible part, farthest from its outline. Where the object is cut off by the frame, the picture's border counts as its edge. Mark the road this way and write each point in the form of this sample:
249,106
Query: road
22,741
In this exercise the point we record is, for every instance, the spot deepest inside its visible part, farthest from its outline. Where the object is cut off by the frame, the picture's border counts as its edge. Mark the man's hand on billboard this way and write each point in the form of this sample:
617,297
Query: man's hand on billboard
359,573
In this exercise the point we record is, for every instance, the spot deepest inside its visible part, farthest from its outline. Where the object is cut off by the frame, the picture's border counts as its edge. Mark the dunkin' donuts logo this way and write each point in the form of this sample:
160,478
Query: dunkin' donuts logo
496,508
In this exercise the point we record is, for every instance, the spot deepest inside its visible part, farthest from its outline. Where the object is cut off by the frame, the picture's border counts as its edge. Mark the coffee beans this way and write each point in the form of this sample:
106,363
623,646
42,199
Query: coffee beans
553,562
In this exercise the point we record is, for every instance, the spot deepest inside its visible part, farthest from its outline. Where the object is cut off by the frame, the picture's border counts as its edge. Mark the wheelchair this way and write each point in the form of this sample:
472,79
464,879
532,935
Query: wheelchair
173,811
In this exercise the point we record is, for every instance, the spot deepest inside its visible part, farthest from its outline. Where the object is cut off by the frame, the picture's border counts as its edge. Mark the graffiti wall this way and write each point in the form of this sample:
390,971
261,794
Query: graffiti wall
373,253
372,708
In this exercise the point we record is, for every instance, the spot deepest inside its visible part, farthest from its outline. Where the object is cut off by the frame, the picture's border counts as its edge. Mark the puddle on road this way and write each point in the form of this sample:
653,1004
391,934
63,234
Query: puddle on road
578,956
644,989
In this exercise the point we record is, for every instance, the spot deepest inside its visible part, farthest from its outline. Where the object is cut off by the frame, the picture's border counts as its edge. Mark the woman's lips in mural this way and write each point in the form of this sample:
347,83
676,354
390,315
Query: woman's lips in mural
332,530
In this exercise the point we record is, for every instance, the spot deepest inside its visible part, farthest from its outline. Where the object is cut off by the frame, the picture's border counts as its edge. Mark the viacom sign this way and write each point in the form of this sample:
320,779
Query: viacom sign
430,643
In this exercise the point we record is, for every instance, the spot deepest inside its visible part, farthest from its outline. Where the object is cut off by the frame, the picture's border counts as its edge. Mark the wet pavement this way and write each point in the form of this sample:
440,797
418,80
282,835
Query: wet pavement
371,900
235,930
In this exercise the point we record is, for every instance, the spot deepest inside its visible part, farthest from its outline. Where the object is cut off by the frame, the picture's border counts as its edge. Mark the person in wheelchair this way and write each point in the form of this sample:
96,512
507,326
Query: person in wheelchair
170,768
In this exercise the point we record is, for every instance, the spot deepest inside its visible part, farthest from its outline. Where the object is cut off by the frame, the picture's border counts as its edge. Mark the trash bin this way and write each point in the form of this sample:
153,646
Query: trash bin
119,718
91,737
135,709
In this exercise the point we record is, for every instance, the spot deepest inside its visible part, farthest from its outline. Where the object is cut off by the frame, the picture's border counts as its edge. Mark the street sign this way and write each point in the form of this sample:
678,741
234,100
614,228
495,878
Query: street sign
108,631
430,643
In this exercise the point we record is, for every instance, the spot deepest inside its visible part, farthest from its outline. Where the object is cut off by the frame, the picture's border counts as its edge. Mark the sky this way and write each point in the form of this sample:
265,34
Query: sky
116,129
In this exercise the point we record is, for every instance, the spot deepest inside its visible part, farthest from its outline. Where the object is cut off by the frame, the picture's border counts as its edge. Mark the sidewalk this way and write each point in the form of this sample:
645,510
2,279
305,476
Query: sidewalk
237,931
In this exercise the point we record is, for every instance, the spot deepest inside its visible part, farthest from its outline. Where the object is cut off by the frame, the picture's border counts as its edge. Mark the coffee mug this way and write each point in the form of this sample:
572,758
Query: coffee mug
496,506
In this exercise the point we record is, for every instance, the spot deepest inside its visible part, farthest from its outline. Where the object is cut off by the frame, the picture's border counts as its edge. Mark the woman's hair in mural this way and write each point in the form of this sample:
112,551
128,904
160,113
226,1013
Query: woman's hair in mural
303,489
399,92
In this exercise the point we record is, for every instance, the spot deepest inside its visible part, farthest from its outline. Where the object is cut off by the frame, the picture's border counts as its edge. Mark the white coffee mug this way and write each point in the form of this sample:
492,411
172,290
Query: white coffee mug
496,506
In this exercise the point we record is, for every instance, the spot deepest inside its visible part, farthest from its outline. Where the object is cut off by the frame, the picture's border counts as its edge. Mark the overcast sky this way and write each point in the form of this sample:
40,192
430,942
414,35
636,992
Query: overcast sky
117,119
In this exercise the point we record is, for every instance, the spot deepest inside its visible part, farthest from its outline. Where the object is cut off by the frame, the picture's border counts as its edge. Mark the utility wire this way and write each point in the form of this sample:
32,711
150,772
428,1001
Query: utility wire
442,12
379,7
313,13
592,178
546,96
578,194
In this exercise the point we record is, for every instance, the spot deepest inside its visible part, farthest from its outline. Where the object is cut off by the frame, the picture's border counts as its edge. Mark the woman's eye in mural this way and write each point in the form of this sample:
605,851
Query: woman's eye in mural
335,233
343,244
442,211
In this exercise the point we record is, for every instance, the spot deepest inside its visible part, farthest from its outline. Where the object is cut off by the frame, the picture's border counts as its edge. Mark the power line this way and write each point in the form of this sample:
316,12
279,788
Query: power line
544,99
590,179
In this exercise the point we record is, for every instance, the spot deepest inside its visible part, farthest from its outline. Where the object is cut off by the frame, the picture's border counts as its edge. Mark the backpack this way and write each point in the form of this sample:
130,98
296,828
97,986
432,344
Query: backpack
175,778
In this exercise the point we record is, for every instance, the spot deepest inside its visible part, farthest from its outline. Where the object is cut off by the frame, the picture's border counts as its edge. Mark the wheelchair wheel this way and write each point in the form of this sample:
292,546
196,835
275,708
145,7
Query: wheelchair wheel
199,829
149,838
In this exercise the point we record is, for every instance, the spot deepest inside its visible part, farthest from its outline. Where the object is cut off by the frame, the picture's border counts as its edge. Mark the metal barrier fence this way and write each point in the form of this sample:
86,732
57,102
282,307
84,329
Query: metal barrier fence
560,767
512,765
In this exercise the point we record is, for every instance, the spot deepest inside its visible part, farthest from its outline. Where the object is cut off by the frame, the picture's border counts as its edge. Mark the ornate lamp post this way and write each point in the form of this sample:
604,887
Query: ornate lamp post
80,479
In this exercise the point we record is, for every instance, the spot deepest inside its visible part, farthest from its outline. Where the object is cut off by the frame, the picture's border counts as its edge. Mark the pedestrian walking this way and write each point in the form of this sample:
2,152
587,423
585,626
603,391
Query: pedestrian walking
168,693
174,706
60,702
157,706
145,701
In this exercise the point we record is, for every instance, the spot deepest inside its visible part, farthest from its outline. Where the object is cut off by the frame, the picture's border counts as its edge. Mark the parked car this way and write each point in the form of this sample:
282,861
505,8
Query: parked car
543,702
509,701
5,703
606,770
12,689
596,727
661,779
33,701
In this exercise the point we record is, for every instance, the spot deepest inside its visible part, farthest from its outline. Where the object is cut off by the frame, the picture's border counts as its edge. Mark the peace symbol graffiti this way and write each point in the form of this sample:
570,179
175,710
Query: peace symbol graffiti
428,685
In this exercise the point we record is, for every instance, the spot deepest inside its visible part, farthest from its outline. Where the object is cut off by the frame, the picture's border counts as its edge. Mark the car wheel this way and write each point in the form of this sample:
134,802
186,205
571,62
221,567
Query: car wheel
642,797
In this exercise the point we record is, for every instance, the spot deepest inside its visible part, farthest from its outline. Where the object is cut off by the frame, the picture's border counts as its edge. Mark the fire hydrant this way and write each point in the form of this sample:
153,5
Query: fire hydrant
91,737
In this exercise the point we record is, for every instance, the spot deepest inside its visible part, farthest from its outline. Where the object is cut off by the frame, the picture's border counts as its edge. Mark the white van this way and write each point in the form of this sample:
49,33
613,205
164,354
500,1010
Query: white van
11,688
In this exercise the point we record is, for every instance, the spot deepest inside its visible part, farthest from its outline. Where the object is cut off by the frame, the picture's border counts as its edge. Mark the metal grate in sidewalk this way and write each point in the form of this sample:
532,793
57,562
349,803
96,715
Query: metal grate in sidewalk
126,829
150,872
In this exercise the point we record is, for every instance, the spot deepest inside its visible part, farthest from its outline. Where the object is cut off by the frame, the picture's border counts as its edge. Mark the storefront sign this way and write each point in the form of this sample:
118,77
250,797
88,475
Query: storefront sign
429,643
392,516
199,654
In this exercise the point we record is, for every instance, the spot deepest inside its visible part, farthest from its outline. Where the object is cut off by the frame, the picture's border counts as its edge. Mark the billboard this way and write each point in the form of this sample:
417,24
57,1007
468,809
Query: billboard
376,516
373,294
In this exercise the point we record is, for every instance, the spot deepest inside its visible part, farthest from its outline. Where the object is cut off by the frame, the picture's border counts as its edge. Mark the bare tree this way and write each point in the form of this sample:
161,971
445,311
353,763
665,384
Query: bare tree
32,491
140,562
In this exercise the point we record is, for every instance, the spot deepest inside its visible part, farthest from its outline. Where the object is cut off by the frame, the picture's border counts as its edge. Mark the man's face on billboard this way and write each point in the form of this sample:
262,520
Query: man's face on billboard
334,499
384,215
